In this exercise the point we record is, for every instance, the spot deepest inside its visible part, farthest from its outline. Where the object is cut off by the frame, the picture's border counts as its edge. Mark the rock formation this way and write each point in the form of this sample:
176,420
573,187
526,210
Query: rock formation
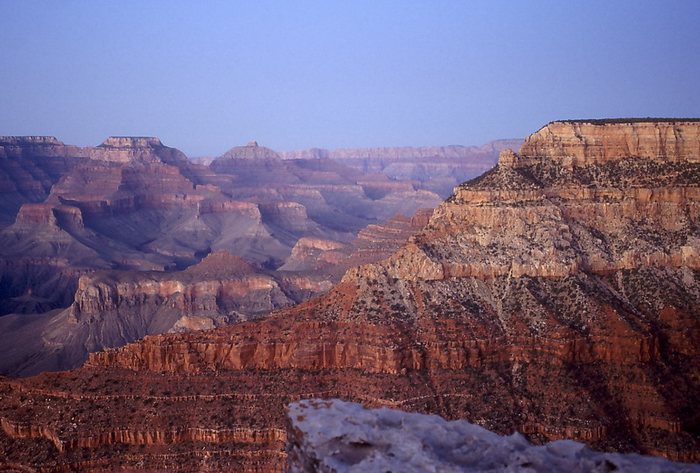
323,186
29,166
342,437
600,141
251,150
114,214
98,212
112,308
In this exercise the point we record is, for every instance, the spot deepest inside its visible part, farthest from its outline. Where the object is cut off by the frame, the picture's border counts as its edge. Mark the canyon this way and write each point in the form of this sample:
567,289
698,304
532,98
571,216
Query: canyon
556,295
97,243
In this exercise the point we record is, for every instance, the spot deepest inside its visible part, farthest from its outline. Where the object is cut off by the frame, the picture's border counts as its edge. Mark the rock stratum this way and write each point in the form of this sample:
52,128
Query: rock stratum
552,296
333,436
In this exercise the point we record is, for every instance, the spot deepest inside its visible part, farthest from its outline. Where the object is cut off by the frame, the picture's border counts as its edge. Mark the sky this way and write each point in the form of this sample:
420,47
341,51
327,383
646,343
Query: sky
205,75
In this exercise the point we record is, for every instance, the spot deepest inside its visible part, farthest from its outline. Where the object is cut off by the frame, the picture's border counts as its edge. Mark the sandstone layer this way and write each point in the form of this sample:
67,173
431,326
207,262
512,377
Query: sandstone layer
600,141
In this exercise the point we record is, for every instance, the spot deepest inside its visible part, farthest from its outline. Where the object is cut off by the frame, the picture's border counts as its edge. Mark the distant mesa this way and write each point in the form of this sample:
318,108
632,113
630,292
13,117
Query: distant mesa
131,142
30,140
251,151
137,149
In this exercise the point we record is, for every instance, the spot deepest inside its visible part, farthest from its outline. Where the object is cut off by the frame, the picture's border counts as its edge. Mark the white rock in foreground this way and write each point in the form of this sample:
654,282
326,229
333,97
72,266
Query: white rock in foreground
337,436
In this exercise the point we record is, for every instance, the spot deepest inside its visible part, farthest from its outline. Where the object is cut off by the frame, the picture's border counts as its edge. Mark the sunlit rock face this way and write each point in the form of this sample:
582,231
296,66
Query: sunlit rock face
333,436
599,141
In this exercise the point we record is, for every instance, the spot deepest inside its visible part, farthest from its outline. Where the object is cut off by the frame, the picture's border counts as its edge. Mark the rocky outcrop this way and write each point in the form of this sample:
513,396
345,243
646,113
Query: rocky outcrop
335,437
131,142
28,147
251,150
221,283
288,216
583,142
314,253
137,149
373,243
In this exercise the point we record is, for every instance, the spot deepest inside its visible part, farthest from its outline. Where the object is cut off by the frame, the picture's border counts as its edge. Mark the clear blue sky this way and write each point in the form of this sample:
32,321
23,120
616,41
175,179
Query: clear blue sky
206,75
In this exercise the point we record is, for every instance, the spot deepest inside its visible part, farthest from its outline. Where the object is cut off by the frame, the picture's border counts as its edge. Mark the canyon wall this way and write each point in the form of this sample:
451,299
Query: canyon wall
93,240
598,141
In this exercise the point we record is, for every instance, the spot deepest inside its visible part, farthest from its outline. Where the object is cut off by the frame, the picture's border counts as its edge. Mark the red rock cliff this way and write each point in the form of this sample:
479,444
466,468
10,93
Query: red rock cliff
598,141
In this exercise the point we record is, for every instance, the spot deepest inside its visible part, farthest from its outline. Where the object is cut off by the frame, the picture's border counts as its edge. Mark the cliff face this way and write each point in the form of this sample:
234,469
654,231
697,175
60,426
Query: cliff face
373,243
29,166
556,297
133,149
110,309
588,142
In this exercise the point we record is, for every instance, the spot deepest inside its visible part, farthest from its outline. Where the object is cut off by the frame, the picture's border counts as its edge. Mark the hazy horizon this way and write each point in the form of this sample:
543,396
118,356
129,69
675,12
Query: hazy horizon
297,75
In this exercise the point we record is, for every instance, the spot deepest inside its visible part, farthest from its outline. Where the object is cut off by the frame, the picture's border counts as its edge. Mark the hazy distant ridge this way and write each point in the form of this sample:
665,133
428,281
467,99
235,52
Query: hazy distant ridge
405,152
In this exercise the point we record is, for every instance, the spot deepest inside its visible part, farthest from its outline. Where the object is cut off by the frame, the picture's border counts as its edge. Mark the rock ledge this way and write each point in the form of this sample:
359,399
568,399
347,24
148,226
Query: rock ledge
337,436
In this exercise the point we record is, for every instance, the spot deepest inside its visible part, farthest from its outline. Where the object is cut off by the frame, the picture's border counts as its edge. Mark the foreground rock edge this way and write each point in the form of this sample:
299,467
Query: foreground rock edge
334,436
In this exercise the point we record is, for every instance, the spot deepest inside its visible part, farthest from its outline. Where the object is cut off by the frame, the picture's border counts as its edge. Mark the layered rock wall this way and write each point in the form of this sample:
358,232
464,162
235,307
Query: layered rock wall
582,142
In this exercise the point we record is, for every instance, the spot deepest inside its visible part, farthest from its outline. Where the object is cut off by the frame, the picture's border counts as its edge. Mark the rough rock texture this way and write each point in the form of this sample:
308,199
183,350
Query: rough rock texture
29,166
558,301
342,437
598,141
373,243
313,253
113,308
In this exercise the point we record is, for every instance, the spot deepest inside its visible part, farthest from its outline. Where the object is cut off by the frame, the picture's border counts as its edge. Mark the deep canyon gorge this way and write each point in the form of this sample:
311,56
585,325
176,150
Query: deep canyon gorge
557,294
